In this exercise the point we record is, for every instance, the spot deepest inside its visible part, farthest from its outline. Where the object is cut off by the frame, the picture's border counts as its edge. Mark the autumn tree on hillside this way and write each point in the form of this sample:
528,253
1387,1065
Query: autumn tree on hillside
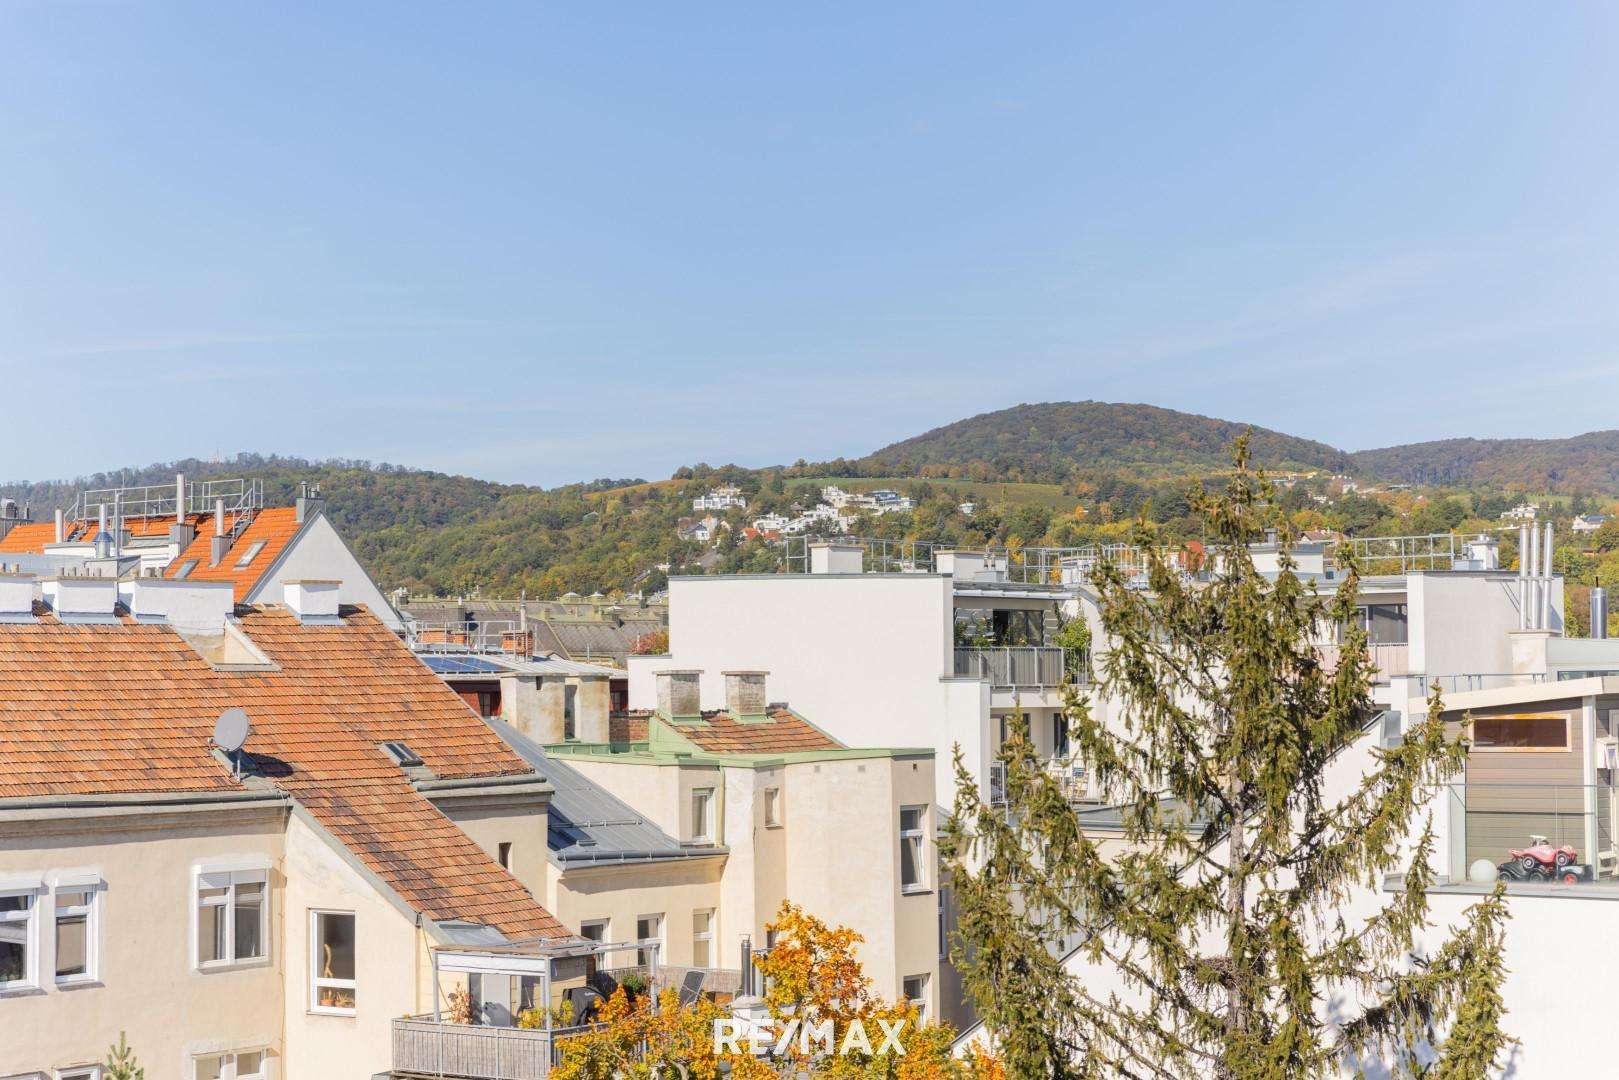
1239,929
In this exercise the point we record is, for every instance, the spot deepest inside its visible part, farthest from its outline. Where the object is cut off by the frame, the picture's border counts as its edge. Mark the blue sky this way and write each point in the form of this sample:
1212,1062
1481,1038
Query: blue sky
546,243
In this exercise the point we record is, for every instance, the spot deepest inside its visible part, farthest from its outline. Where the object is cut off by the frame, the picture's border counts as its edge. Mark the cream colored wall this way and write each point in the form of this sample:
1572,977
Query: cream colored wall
392,965
843,861
321,553
623,893
654,790
523,827
148,988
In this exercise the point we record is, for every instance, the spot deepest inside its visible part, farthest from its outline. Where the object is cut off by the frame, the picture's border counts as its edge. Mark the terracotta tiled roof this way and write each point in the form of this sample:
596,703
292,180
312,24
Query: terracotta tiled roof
782,732
275,526
126,707
29,538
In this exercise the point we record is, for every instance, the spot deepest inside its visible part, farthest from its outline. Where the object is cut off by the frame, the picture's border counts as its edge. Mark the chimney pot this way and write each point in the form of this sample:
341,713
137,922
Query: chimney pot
830,557
311,600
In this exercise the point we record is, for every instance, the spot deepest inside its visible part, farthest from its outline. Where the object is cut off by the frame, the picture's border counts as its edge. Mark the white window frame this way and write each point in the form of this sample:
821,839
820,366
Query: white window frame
605,924
250,554
705,936
919,837
227,877
95,887
230,1070
29,919
78,1072
316,982
921,1002
773,805
707,794
657,949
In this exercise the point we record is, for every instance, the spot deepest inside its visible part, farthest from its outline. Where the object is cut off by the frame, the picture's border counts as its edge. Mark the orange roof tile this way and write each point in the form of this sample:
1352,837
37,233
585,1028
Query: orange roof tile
29,538
275,527
127,707
781,732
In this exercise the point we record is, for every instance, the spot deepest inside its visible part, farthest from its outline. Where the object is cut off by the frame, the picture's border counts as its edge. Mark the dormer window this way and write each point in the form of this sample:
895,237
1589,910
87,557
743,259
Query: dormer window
251,553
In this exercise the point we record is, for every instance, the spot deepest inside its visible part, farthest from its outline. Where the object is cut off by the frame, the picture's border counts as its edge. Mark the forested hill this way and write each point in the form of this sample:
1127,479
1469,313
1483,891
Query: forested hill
1053,442
1589,462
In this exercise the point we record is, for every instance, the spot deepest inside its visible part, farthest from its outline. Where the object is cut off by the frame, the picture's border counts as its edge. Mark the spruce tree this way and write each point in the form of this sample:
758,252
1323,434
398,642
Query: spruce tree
1226,919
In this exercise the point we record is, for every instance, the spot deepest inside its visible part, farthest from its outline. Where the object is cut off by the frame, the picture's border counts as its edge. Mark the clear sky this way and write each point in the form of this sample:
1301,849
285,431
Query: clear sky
552,242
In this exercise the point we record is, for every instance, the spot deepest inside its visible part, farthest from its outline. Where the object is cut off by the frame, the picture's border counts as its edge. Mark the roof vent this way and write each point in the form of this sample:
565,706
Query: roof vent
832,557
745,694
679,696
184,604
312,601
402,755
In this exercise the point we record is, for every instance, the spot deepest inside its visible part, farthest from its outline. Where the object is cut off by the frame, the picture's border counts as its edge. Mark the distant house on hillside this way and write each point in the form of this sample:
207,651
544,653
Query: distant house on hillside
1590,523
1523,512
725,497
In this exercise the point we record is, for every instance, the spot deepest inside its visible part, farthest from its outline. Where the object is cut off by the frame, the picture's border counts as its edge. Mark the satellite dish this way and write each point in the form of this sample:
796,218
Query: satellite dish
231,730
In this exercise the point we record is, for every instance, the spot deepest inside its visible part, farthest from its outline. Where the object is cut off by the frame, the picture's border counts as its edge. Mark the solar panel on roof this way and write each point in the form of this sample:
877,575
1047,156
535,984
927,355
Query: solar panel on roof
461,665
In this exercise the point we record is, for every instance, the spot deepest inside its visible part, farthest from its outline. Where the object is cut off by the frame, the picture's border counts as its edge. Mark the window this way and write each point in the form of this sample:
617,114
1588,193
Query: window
77,933
331,940
251,553
702,938
402,754
912,846
232,917
183,571
247,1065
79,1072
1533,731
570,700
1059,736
773,808
944,929
649,928
504,853
593,929
702,816
19,944
915,991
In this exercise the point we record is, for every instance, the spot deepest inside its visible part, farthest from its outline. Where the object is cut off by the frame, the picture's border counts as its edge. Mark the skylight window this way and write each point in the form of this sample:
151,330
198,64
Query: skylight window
184,570
403,756
251,553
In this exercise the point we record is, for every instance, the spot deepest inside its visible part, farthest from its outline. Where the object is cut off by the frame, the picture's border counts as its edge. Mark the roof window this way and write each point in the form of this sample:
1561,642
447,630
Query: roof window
251,553
184,569
403,756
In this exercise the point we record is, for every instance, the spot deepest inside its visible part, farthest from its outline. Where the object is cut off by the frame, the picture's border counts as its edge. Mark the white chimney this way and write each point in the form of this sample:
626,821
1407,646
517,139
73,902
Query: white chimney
61,525
184,605
311,600
72,597
179,498
831,557
16,596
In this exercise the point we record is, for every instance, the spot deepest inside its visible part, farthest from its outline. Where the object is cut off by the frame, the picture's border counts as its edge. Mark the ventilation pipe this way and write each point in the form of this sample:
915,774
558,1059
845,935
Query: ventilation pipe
1546,580
179,498
103,540
61,525
220,544
1599,610
1523,577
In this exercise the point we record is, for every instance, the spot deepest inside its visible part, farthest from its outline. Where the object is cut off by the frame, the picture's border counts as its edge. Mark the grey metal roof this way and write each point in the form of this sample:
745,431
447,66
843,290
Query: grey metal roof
587,824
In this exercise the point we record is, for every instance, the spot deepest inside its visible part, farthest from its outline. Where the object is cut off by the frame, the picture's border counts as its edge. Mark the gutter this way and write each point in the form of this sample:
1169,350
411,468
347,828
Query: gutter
49,807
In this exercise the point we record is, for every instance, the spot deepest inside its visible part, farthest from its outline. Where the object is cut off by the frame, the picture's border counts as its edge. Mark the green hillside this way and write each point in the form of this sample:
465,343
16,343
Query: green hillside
1589,461
1053,442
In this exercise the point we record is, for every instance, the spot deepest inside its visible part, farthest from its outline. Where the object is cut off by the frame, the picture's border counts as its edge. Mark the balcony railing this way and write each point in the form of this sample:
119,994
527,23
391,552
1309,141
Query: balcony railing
423,1047
1016,667
1489,821
1389,659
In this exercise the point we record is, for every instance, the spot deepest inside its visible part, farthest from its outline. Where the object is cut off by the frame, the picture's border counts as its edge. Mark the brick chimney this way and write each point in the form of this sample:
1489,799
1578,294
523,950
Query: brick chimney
745,695
679,695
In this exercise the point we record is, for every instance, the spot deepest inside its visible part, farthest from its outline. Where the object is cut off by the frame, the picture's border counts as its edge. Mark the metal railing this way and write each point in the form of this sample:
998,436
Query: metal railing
1025,666
1456,684
243,497
1489,820
475,635
1389,659
1400,554
1022,565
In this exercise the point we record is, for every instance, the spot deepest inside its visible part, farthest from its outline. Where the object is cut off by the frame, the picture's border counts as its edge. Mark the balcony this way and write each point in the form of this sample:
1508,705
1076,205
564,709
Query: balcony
1022,667
1389,659
1488,821
423,1046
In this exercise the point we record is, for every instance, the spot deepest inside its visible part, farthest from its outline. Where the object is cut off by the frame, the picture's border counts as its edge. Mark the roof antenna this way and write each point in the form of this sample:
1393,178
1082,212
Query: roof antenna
230,734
